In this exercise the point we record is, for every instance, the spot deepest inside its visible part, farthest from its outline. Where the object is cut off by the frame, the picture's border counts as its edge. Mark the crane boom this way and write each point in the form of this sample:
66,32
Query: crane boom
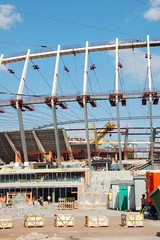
109,126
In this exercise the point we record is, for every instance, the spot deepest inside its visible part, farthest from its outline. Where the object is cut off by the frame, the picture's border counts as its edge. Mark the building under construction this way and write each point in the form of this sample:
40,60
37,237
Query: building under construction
45,162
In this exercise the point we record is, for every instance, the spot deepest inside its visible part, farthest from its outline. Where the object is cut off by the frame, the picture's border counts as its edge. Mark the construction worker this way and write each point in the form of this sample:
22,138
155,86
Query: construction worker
42,200
33,201
143,202
49,199
27,199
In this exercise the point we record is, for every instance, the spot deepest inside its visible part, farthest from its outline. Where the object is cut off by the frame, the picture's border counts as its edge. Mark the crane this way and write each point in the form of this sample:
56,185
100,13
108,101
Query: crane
109,126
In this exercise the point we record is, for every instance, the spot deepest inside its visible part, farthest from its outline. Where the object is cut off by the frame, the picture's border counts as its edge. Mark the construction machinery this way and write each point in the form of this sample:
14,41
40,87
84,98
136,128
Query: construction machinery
98,136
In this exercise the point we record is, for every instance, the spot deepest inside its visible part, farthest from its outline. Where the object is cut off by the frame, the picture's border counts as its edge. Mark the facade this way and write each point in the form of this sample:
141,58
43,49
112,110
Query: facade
58,183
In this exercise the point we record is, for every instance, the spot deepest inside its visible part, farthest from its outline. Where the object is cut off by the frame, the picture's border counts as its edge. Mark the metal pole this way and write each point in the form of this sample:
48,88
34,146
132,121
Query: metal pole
117,108
150,100
22,133
1,58
87,132
54,89
21,85
125,145
19,112
85,105
85,71
56,131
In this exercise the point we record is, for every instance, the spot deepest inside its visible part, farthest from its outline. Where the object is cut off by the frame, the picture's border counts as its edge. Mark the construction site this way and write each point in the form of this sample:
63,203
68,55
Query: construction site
96,174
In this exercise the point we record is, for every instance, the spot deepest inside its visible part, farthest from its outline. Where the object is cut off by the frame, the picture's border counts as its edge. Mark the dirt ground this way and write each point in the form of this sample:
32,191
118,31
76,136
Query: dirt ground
151,230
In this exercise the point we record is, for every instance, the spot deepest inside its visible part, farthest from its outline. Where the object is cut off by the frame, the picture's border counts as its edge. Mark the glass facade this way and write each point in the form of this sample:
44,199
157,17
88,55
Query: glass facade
43,177
55,193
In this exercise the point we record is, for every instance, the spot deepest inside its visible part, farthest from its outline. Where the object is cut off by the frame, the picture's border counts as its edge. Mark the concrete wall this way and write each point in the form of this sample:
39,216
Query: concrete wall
96,191
92,200
100,181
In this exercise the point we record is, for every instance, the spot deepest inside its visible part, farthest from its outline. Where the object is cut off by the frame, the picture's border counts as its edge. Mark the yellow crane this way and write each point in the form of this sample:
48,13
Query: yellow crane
110,141
109,126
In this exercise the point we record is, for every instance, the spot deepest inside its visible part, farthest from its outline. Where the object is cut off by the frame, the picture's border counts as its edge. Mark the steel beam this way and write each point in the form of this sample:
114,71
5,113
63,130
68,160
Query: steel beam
42,99
106,46
96,120
68,147
39,145
11,143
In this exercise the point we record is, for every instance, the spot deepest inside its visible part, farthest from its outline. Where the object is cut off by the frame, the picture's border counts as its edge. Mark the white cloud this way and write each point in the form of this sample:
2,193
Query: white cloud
3,68
155,3
135,65
8,17
153,14
155,66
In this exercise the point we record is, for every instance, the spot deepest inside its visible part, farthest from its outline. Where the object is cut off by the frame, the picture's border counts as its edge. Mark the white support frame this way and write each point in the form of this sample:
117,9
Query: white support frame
22,82
85,104
117,106
54,92
54,88
1,58
150,101
116,67
149,65
19,112
103,47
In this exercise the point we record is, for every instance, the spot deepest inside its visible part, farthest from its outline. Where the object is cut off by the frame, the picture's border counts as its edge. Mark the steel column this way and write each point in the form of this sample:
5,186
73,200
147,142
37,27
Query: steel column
39,145
19,112
54,89
125,145
87,132
150,100
85,104
117,107
22,82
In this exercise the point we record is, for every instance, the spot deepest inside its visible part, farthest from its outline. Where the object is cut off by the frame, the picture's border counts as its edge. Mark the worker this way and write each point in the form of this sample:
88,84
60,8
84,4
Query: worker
143,201
42,200
49,199
27,199
33,201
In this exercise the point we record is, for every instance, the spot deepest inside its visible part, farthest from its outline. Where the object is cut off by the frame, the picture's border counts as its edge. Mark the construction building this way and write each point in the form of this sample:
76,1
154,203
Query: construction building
43,176
44,162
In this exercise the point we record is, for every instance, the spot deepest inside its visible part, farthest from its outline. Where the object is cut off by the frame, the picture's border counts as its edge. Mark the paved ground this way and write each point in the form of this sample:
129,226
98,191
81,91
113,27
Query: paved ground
151,229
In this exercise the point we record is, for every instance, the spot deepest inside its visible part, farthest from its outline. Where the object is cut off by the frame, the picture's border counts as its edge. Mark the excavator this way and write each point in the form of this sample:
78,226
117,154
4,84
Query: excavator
109,126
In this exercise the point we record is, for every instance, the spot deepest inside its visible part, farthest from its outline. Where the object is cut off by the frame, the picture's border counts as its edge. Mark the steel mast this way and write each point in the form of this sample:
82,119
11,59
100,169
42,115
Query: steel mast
117,107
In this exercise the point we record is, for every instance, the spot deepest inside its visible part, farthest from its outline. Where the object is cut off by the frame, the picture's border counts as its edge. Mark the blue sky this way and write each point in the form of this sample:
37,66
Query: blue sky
30,24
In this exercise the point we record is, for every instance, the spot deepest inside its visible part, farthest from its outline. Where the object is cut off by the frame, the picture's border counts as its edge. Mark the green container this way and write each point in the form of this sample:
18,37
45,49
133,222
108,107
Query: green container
123,197
155,195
